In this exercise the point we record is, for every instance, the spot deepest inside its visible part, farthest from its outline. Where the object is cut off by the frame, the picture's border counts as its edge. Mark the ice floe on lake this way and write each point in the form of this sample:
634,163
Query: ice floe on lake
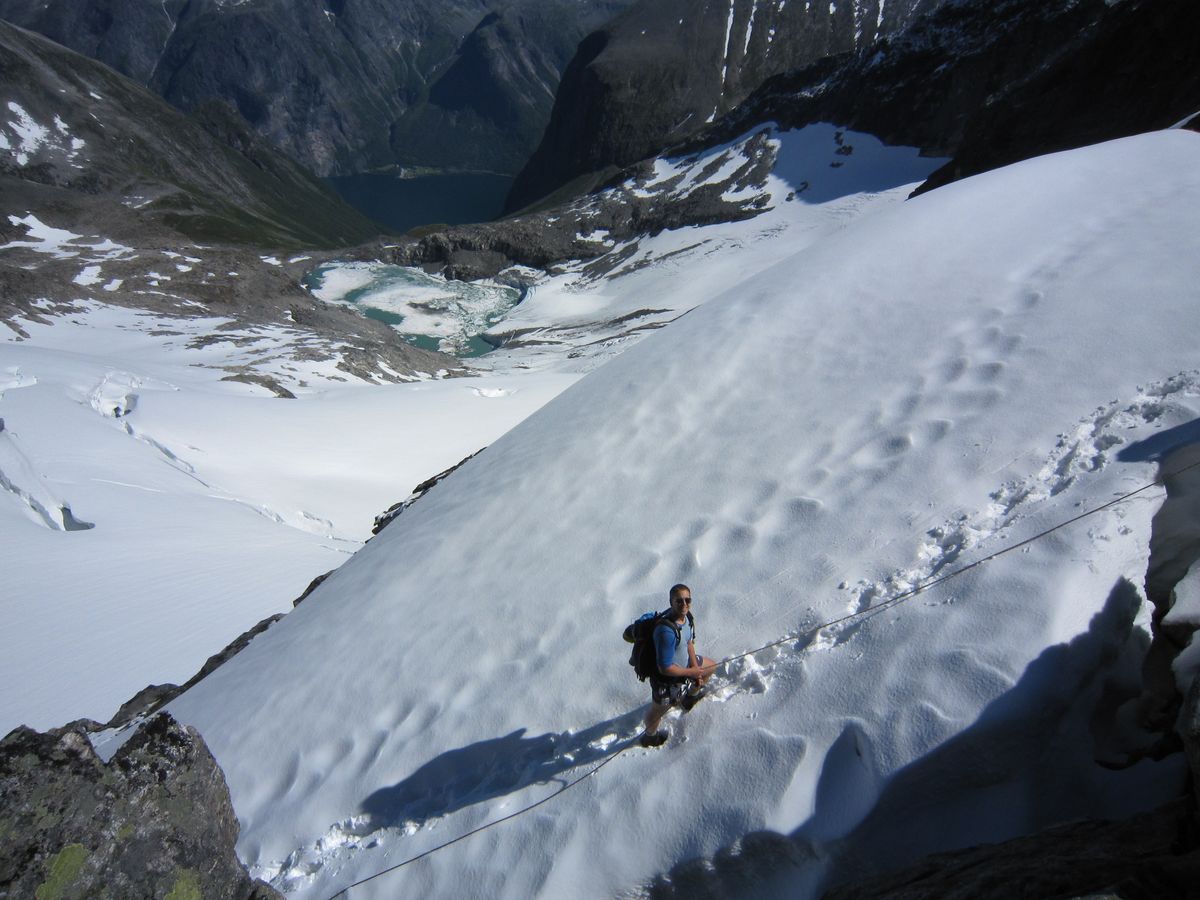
432,311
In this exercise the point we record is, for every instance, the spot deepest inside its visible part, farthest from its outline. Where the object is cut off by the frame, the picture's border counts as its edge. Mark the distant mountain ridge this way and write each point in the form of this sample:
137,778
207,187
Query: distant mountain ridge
980,82
345,87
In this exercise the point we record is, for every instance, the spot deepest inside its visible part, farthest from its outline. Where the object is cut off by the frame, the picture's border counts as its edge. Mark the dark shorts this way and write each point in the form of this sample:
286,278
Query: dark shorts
669,691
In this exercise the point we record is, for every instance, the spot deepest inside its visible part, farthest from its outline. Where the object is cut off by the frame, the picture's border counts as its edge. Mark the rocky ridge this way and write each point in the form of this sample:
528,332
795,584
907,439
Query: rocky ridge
984,83
725,184
1154,855
990,84
71,123
204,295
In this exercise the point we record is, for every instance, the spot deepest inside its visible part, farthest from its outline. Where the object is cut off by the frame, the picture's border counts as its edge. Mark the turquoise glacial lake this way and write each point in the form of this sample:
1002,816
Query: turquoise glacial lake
428,310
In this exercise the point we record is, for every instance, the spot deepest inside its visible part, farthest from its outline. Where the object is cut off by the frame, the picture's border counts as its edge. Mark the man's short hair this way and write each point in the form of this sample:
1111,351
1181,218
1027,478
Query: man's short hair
677,588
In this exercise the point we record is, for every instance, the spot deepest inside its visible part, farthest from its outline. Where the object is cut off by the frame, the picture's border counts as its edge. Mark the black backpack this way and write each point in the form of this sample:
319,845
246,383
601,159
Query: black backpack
640,633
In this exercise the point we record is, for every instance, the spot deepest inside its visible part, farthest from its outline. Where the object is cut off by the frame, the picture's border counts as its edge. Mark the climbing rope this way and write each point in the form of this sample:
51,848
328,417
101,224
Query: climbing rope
486,825
863,613
933,582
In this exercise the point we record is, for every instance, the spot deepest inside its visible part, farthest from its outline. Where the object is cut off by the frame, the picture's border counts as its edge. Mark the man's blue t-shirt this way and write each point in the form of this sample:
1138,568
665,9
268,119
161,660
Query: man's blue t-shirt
664,645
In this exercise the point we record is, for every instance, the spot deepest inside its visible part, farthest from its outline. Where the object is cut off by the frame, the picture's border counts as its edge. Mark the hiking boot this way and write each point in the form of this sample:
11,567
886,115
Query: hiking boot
653,740
689,700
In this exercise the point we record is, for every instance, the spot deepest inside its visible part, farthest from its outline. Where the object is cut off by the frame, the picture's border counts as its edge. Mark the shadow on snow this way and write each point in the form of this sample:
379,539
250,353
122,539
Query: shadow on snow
494,768
1158,447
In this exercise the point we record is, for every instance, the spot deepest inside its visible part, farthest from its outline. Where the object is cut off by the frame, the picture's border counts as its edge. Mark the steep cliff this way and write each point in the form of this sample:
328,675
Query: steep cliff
992,83
662,70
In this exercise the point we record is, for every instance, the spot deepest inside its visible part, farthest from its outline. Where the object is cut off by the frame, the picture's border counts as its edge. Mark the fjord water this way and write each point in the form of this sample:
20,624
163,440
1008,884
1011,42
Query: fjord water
404,203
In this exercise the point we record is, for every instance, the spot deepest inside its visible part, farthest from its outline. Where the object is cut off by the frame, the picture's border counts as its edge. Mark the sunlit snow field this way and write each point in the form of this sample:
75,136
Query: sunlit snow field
863,392
210,504
927,385
215,504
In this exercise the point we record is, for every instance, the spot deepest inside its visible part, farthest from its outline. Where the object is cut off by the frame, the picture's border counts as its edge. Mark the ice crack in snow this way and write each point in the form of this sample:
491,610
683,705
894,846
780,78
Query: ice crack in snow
32,491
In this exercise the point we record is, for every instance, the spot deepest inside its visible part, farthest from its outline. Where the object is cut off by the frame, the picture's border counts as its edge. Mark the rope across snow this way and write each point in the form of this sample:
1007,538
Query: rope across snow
803,640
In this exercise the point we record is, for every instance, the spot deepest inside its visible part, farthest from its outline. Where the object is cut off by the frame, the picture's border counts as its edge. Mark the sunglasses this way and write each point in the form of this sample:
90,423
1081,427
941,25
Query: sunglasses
684,599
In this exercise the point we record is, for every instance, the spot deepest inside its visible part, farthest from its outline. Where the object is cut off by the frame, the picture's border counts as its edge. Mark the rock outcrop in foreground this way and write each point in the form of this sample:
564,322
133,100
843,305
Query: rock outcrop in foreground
156,821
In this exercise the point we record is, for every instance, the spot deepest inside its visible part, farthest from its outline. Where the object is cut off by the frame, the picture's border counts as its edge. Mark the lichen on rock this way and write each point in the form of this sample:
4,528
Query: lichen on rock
156,821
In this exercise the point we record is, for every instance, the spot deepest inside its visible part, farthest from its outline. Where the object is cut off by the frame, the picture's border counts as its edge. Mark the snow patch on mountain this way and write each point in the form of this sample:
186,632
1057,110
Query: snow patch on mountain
24,138
819,179
60,243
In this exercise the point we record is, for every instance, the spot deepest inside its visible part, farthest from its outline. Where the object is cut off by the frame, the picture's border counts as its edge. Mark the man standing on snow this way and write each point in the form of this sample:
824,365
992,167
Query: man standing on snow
678,665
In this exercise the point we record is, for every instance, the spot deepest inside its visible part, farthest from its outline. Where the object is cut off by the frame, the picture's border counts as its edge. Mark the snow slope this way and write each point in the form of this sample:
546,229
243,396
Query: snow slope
919,389
215,505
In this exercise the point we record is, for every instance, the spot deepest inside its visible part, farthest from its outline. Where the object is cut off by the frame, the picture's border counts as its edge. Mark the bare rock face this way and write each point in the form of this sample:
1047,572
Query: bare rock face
98,135
993,82
987,82
1189,731
155,821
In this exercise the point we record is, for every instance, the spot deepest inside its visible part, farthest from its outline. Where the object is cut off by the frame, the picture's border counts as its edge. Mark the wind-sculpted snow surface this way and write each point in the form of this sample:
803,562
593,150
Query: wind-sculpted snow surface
911,393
